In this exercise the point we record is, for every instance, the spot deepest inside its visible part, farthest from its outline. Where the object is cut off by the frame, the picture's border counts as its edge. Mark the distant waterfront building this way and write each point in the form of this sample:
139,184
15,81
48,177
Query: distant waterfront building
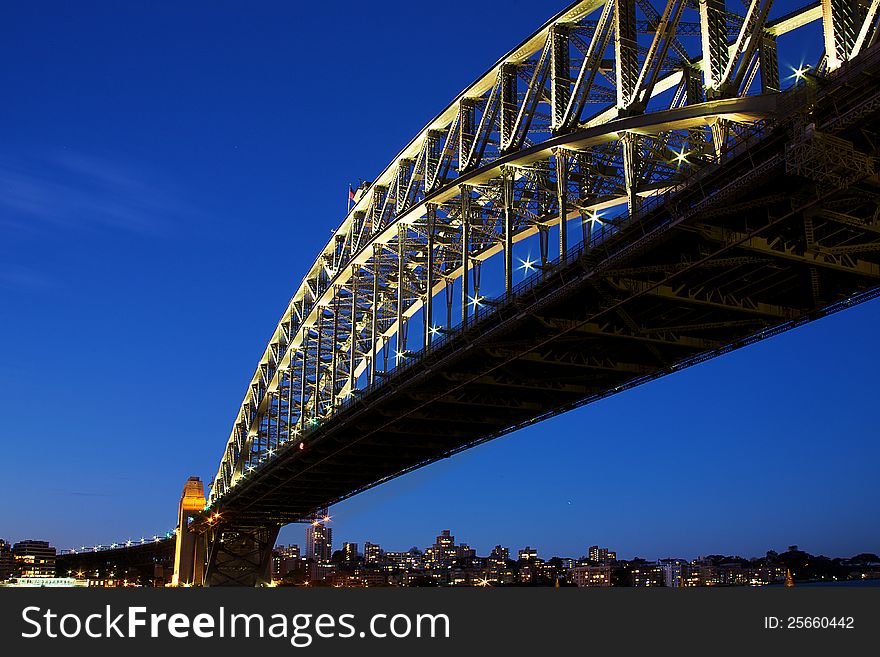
7,561
591,576
289,552
372,553
601,555
285,560
408,560
443,552
528,553
675,572
34,559
648,574
350,552
319,542
500,554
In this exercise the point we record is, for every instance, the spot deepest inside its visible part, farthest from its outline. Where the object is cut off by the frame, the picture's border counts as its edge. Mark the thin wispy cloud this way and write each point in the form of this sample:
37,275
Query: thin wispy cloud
19,277
77,191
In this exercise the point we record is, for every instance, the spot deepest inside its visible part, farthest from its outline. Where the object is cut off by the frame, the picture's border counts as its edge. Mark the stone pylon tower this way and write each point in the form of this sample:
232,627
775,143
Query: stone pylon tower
191,502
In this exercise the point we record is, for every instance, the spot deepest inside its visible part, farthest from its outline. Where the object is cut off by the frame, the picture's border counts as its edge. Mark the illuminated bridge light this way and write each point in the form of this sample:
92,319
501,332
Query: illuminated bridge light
800,72
681,157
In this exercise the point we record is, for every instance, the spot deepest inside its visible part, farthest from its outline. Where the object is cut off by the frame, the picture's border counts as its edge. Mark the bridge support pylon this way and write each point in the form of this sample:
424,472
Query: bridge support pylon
191,502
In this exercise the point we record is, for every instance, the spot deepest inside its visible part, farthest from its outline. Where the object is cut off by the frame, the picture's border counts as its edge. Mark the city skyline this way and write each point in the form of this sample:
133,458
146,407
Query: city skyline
445,562
135,190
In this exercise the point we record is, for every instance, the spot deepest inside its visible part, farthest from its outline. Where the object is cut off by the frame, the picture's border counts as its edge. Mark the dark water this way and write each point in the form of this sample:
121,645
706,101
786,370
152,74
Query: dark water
847,582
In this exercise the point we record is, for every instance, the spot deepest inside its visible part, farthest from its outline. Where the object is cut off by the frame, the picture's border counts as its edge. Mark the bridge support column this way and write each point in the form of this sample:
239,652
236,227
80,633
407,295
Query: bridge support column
465,250
625,52
239,556
467,129
352,353
191,502
319,347
561,157
508,105
507,201
630,144
334,355
713,31
429,275
768,65
840,24
374,310
303,378
560,86
401,296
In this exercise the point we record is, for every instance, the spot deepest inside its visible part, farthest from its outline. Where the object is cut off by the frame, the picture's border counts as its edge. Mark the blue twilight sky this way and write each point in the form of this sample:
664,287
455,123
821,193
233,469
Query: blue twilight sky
168,171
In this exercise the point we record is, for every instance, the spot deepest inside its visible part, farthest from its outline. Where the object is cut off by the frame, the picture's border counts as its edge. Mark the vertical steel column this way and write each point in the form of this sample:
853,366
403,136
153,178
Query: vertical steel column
840,24
507,206
404,173
302,385
272,410
374,305
508,104
768,63
401,271
713,32
630,144
467,131
625,51
432,158
352,354
429,274
561,157
449,285
587,227
376,209
316,407
465,248
560,67
543,246
335,355
694,95
290,377
720,132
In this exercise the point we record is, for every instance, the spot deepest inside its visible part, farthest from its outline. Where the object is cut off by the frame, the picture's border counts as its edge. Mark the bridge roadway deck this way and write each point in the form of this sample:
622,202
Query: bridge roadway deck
772,237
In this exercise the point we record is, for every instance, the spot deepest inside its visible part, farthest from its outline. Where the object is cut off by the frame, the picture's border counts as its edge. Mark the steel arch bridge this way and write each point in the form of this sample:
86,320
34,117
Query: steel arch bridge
663,199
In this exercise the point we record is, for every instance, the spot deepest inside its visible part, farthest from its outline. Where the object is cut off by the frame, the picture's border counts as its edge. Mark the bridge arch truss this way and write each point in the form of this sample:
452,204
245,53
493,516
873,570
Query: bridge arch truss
595,118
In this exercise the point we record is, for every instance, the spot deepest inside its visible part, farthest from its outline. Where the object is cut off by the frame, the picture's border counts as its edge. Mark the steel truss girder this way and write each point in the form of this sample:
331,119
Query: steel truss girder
656,336
239,557
708,297
820,256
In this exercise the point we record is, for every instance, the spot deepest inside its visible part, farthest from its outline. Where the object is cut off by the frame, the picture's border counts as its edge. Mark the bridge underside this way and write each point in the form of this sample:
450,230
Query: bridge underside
782,233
